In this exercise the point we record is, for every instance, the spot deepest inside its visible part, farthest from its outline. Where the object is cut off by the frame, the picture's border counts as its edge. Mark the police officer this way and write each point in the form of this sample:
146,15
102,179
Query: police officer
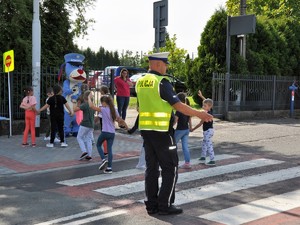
156,99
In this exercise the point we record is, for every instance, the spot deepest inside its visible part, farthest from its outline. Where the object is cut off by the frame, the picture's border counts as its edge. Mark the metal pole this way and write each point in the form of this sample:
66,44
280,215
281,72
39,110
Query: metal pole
243,6
9,106
36,60
157,26
227,76
228,45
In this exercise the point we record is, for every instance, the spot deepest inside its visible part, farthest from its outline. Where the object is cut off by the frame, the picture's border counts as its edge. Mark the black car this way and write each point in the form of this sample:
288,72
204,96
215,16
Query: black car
178,85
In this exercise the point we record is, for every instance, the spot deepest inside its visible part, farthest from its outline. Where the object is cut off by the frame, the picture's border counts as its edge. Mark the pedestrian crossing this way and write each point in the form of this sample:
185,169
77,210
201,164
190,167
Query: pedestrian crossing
252,173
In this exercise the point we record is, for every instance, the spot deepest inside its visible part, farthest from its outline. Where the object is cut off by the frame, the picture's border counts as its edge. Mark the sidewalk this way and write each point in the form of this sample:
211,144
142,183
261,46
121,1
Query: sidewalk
17,159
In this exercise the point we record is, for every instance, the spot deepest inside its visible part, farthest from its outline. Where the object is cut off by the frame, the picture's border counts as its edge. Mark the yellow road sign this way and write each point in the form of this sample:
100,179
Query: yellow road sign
8,61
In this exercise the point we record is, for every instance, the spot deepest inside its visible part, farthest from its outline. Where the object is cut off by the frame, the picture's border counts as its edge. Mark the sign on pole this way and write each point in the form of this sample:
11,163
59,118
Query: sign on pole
160,21
8,61
9,65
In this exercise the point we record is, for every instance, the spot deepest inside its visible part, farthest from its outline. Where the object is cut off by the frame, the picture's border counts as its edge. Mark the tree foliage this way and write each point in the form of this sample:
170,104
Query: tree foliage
269,8
99,60
176,58
211,55
15,26
57,28
273,49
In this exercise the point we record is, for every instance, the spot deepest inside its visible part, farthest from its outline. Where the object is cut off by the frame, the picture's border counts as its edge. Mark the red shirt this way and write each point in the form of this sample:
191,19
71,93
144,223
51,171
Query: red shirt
123,88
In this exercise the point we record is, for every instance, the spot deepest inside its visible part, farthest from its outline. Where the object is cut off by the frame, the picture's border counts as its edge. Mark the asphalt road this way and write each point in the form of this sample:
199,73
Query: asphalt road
258,167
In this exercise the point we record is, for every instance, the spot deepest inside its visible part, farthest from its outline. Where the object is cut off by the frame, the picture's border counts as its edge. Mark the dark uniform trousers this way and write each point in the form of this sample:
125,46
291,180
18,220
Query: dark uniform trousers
160,150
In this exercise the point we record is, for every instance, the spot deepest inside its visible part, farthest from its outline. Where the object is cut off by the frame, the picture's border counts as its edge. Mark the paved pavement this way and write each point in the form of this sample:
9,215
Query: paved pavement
17,159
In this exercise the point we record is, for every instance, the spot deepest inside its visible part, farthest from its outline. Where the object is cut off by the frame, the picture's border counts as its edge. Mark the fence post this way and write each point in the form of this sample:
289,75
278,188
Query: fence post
227,87
274,93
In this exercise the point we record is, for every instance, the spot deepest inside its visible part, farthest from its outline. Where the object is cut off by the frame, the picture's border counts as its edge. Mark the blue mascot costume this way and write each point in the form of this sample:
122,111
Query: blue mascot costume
75,76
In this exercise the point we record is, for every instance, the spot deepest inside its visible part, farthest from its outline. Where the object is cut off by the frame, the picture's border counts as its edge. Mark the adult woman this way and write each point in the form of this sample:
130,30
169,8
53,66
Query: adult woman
123,84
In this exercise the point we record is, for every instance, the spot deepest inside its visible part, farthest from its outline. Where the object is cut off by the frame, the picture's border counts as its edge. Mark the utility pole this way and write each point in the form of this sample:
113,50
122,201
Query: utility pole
243,6
36,59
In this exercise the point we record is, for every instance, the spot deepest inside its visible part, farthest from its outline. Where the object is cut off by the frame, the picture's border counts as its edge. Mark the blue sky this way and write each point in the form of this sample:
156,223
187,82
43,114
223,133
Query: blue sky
128,24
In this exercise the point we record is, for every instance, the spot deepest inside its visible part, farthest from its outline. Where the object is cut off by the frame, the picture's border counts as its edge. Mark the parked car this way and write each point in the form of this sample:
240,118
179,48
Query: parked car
134,79
178,85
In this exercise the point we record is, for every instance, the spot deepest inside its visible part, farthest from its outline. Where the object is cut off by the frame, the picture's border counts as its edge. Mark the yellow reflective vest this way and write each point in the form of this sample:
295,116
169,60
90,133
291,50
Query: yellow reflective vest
154,112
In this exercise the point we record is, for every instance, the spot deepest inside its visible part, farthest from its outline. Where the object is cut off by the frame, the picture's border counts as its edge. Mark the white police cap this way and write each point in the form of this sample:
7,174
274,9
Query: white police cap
163,56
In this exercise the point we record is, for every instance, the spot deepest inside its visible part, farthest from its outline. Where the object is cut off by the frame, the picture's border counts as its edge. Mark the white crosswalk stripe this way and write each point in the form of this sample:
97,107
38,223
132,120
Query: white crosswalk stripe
84,214
226,187
251,211
119,190
256,209
125,173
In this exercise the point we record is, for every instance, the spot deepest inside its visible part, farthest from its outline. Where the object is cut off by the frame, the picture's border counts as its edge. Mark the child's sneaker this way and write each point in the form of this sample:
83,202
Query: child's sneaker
83,155
107,171
25,144
211,163
33,145
185,166
202,160
56,140
102,165
141,167
50,145
63,144
47,138
89,158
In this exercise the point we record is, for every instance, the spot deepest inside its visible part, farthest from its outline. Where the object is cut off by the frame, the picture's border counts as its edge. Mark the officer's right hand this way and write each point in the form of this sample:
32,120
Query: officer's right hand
204,116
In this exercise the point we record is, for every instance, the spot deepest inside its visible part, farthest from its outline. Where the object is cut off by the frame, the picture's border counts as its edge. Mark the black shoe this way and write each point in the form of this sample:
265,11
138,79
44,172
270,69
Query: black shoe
102,165
83,156
107,171
88,158
152,211
171,210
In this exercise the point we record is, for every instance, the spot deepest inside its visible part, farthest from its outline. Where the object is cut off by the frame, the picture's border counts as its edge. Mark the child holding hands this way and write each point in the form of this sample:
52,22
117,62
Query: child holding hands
109,116
85,133
56,104
28,104
208,132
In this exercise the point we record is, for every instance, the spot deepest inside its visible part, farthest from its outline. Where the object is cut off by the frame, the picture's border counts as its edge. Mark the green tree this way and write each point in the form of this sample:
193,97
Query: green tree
15,26
129,59
176,58
268,8
211,55
57,38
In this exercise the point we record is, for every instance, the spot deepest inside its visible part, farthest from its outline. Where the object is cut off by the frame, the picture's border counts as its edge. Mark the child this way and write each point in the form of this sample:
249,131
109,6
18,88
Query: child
86,128
103,91
109,116
47,136
184,124
208,133
56,104
28,104
142,163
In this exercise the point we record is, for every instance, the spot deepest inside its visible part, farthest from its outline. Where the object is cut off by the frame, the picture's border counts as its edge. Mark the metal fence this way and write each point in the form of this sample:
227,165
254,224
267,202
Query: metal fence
245,92
19,80
252,93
